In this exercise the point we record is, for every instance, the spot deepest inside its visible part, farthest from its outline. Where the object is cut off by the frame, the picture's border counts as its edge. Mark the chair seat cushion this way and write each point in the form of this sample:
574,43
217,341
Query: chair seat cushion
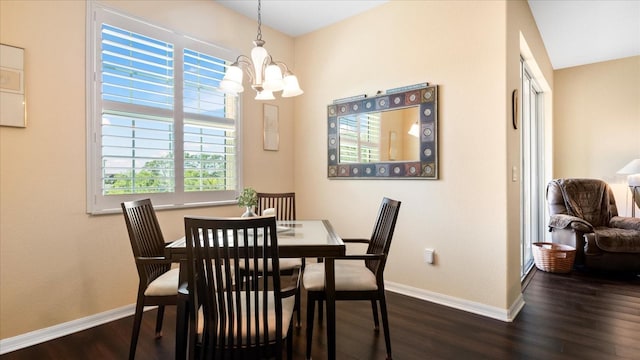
165,284
287,314
350,276
618,240
285,264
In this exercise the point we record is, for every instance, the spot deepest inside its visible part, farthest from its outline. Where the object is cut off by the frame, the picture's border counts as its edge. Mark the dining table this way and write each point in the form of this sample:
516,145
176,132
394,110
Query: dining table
296,239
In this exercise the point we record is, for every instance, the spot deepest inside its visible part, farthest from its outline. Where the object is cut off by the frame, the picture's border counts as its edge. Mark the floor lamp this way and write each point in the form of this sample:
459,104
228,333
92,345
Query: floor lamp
632,170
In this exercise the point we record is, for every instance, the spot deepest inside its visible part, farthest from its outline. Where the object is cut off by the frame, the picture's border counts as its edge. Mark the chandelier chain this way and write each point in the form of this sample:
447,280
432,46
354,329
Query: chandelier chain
259,36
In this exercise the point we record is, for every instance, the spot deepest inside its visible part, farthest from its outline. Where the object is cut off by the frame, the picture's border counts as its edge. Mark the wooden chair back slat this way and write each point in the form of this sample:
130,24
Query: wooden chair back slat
145,237
380,240
234,303
283,203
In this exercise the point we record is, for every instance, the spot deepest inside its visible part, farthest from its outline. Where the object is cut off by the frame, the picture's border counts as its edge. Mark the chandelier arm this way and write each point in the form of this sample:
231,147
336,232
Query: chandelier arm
245,63
267,61
283,66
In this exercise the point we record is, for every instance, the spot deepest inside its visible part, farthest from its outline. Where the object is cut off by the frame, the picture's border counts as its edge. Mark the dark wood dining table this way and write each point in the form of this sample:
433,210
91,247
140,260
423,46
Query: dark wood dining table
296,239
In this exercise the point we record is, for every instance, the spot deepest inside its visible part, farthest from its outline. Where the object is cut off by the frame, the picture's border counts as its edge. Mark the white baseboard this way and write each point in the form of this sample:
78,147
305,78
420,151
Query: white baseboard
507,315
60,330
39,336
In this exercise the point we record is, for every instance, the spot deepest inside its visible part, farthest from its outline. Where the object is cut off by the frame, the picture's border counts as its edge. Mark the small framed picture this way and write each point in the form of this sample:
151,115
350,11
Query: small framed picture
13,109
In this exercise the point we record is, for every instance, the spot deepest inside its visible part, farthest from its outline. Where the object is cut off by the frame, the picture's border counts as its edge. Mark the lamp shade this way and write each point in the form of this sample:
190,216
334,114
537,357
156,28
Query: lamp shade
265,95
291,86
232,81
633,167
273,78
231,87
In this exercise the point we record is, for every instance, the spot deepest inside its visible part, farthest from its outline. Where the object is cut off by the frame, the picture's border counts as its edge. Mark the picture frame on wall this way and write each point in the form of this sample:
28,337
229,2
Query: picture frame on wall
271,141
13,109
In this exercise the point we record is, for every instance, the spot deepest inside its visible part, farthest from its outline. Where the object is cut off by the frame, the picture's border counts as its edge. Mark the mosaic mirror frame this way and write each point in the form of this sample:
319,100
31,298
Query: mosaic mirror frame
425,97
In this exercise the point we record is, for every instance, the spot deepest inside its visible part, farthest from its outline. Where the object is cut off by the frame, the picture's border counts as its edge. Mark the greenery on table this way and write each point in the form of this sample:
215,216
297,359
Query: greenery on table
248,197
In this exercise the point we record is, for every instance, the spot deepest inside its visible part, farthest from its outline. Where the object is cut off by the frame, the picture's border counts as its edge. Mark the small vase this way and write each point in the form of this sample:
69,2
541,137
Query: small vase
249,212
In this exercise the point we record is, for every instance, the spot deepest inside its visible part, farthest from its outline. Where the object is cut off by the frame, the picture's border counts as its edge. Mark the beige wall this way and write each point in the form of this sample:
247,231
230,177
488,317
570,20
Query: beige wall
460,46
523,41
469,215
57,263
597,122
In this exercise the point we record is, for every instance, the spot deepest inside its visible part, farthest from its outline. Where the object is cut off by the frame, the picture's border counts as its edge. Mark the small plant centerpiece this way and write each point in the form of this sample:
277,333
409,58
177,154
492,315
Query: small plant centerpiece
248,198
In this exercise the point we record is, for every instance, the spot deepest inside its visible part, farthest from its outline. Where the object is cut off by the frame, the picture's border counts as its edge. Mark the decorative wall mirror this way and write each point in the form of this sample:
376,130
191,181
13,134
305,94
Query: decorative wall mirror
393,135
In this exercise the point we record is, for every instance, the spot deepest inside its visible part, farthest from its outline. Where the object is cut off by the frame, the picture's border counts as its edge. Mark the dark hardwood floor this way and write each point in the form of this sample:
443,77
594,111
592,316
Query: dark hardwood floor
575,316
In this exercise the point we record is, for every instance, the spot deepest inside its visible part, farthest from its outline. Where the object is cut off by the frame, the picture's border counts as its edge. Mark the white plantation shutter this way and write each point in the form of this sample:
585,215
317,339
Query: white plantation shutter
159,128
137,83
137,154
209,155
360,138
209,126
136,69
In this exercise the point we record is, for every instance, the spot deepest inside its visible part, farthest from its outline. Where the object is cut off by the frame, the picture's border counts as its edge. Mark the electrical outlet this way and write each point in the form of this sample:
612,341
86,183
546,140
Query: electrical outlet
428,256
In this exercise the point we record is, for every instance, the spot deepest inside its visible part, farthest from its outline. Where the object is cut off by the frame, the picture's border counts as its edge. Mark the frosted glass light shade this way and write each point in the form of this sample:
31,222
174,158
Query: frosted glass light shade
291,86
234,73
232,81
265,95
231,87
273,78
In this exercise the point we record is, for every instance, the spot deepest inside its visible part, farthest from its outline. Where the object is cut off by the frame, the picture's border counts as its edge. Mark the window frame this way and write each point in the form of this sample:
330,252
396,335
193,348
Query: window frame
97,203
357,142
532,160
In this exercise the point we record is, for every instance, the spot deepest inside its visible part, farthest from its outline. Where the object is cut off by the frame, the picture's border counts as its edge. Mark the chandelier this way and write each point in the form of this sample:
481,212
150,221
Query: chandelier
265,73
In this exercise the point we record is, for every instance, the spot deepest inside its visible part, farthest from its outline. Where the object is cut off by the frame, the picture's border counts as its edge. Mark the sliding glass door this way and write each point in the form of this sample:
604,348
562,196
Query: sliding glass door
532,186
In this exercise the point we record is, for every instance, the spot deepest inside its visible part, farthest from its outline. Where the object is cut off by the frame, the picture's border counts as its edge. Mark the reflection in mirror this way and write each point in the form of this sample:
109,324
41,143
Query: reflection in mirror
378,136
392,135
395,126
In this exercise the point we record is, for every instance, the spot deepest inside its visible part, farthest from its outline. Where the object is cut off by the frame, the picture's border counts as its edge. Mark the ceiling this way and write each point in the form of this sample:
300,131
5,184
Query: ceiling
574,32
584,32
299,17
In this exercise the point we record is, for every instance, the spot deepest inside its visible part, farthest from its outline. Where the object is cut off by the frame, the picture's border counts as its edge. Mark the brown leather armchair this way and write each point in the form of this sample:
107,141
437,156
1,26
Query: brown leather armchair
583,214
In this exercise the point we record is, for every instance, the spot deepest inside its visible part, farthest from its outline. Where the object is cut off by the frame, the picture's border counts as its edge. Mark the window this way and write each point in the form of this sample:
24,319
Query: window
157,125
360,138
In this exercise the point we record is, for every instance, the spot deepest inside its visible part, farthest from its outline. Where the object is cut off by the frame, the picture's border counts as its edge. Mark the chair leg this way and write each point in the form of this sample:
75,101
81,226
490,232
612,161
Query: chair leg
311,302
290,343
320,311
137,319
374,308
182,327
385,324
195,349
159,319
298,295
297,308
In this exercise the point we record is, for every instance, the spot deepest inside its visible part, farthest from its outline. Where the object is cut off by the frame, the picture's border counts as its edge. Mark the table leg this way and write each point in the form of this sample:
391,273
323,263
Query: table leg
181,318
330,288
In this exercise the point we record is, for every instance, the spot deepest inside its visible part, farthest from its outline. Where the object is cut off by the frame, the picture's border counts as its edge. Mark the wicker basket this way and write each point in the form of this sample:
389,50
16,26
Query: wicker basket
556,258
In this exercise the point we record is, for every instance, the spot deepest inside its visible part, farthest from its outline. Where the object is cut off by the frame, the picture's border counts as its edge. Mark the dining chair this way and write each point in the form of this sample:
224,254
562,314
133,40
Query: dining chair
158,284
284,204
233,313
356,279
283,207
